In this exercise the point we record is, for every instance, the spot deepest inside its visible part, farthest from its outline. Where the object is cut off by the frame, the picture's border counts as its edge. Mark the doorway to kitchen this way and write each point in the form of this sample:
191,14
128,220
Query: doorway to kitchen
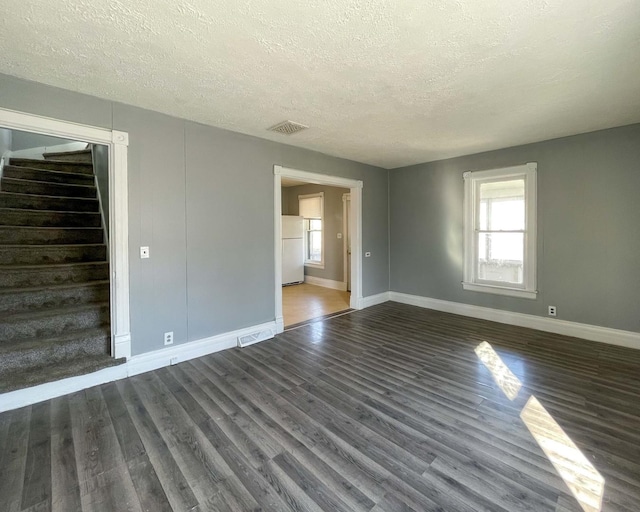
317,240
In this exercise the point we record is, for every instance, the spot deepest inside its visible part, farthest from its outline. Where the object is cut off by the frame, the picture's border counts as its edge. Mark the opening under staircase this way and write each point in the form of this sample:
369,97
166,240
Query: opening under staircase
54,272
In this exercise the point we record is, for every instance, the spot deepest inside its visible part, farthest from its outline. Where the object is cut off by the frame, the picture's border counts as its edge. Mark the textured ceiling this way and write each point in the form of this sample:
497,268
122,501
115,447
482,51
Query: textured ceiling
386,82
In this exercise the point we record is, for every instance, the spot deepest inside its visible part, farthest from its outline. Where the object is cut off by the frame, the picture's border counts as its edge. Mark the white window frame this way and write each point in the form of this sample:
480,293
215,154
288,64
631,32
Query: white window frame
313,263
472,182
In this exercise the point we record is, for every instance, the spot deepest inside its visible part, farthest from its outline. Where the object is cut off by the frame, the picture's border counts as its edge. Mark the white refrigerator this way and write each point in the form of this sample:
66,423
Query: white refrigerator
292,249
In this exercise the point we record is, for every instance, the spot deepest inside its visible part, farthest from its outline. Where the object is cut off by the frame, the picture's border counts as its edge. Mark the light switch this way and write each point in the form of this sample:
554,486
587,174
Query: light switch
339,236
144,252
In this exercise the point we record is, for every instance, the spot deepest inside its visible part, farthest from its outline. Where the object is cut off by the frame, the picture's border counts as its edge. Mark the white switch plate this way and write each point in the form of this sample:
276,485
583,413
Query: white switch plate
367,254
144,252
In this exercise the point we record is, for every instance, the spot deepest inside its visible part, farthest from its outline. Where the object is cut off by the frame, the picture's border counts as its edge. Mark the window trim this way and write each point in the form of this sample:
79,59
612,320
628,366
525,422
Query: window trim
472,180
312,263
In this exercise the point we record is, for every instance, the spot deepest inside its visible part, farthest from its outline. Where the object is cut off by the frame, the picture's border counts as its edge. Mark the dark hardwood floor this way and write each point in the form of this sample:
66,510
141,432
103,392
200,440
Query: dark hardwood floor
393,408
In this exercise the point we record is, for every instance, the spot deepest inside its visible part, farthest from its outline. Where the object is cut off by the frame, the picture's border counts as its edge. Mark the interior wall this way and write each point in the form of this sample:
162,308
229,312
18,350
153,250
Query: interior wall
202,199
587,243
333,247
26,140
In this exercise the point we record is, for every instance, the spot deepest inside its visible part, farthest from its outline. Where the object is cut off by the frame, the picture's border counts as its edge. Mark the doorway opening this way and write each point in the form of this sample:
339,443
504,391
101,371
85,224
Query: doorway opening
317,246
103,147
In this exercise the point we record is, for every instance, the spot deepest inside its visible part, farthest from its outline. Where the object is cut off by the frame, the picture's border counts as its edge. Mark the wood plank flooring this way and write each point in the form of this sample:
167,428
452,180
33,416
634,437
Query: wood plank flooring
385,409
303,302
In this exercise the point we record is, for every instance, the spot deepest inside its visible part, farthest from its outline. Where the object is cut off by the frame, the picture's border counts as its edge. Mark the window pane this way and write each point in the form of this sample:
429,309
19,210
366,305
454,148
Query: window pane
501,257
315,224
315,246
502,205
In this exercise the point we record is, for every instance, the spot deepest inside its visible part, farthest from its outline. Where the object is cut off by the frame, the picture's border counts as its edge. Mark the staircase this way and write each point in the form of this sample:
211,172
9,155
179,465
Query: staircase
54,274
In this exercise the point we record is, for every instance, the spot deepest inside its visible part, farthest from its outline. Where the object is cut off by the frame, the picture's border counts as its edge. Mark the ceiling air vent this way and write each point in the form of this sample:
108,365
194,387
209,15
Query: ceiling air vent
288,127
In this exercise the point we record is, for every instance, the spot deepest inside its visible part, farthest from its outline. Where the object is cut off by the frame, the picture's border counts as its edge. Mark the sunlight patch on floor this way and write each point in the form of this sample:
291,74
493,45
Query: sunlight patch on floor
502,375
584,481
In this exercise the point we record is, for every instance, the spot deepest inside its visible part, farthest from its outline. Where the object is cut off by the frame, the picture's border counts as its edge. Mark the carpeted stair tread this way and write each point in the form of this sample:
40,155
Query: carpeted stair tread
48,218
54,165
46,255
32,187
19,379
47,202
33,352
52,322
47,175
44,297
30,235
14,276
81,155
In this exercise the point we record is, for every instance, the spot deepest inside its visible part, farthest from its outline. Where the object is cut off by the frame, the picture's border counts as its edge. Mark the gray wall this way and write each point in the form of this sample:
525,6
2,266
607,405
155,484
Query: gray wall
26,140
333,247
588,234
101,171
202,199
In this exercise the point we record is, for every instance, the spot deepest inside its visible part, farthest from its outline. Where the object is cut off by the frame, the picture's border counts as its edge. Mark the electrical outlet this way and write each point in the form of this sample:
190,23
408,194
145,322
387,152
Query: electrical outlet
173,360
144,252
552,311
168,338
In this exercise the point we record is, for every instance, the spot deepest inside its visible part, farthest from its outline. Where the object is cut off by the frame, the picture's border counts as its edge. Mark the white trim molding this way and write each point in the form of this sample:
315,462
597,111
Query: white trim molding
374,300
346,198
585,331
355,187
326,283
42,392
118,143
135,365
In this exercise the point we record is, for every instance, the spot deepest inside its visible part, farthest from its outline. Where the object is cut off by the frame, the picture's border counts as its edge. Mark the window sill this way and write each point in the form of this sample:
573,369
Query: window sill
314,265
500,290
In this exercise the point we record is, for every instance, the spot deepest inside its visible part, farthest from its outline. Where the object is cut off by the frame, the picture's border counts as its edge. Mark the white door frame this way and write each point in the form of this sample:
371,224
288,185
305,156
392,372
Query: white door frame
117,143
345,242
356,230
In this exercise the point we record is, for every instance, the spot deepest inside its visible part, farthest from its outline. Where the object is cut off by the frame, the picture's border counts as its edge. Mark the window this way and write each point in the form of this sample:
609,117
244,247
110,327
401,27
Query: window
500,231
312,210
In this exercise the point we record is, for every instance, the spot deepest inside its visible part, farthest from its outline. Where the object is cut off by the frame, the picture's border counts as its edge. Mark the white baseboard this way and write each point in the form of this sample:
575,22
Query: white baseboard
326,283
134,366
588,332
37,153
35,394
373,300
